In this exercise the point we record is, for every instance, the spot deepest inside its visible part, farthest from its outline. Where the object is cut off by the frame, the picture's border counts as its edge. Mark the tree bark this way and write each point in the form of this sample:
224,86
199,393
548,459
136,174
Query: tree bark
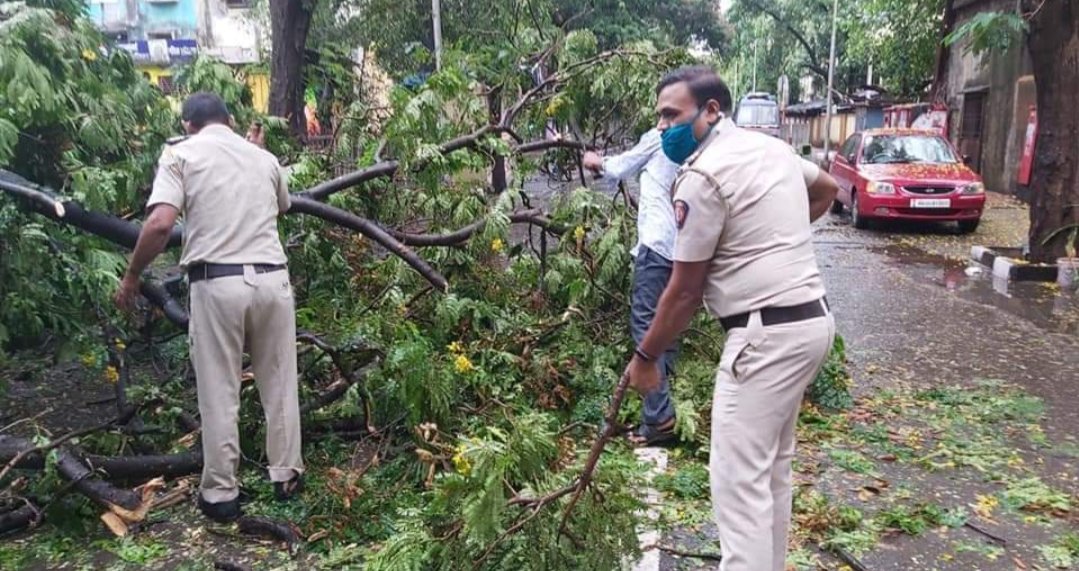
76,470
1053,42
290,21
940,76
20,518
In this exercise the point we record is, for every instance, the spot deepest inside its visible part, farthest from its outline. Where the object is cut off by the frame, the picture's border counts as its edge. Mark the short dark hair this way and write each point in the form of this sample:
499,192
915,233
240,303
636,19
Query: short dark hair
201,109
703,82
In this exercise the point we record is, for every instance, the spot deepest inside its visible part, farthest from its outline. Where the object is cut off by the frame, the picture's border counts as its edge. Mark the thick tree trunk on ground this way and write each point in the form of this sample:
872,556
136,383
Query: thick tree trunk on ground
1054,51
20,518
76,470
290,20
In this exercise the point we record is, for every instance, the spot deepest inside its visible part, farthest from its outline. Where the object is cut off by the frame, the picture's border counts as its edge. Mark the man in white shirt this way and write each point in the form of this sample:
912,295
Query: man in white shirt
652,264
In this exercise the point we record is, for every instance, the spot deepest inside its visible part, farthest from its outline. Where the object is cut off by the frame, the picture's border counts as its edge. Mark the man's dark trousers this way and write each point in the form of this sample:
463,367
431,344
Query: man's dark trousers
651,272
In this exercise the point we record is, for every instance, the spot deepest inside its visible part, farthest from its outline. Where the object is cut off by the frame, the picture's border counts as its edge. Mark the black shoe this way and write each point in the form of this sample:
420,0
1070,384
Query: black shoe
221,512
285,491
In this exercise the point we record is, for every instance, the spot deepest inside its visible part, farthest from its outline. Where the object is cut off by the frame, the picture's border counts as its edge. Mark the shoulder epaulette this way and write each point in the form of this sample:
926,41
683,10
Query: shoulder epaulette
175,140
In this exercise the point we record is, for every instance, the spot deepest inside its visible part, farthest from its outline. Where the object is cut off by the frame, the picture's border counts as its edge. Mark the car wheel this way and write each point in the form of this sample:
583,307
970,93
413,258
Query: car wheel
856,217
968,226
837,207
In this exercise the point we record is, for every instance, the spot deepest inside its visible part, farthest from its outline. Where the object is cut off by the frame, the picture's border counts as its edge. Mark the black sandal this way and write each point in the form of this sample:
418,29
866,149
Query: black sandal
648,435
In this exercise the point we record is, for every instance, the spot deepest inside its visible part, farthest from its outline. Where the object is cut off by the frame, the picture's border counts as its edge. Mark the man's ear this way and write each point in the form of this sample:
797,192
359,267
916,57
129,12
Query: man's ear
712,111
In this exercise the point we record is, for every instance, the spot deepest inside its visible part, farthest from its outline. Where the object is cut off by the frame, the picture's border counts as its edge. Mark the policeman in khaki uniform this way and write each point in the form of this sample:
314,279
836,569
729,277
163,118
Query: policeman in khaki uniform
743,206
230,192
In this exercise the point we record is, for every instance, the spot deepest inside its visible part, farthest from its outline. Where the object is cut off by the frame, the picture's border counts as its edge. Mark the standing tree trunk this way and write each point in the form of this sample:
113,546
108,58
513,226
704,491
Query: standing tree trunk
290,20
1054,52
940,75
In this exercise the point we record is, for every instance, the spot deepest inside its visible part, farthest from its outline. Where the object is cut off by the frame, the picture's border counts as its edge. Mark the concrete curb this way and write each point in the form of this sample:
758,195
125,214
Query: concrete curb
1011,269
649,536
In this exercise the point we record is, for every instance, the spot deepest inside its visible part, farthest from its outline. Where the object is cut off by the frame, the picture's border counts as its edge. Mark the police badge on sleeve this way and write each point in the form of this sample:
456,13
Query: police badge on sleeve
681,212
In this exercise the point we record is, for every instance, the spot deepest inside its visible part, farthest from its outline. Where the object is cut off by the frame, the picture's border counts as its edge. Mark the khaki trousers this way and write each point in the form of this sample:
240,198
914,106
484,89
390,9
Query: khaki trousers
762,376
226,312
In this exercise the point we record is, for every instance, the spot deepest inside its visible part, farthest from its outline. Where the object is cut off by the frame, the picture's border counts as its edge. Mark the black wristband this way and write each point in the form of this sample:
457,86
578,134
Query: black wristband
645,356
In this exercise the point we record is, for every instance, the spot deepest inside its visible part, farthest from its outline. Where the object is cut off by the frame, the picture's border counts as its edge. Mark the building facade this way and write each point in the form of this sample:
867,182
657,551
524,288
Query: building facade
989,98
162,34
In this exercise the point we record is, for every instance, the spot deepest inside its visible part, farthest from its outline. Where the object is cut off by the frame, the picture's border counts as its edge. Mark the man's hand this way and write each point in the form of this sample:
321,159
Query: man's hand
592,161
125,294
643,375
256,135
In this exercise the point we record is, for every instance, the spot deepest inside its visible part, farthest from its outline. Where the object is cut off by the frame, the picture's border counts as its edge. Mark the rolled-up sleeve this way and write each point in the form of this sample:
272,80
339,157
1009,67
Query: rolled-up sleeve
700,214
810,171
632,161
169,182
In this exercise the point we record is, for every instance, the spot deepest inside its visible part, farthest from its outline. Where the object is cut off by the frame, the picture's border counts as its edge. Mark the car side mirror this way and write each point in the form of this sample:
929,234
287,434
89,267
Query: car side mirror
968,160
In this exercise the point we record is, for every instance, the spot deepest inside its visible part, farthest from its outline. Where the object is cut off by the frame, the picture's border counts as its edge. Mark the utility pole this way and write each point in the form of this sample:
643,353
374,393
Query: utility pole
828,92
436,17
754,64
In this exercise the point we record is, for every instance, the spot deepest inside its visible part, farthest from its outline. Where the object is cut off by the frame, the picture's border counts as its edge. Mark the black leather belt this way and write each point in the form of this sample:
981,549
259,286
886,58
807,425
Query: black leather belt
779,315
196,272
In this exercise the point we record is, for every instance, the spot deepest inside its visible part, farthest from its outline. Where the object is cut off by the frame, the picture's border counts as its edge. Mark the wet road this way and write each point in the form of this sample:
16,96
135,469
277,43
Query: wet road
908,315
917,318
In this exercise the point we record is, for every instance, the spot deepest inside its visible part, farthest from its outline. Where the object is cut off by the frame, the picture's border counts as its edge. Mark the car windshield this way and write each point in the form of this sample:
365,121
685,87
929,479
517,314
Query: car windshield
888,149
757,115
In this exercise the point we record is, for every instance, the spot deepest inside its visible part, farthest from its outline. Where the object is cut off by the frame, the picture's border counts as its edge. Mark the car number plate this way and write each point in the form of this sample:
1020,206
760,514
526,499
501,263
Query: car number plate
931,203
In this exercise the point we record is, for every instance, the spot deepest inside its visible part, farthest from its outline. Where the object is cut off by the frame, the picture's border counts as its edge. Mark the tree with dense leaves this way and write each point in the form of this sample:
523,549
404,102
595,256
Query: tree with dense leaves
1051,31
897,38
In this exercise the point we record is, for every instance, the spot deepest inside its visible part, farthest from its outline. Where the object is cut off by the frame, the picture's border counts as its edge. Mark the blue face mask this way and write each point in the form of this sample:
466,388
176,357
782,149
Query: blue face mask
679,142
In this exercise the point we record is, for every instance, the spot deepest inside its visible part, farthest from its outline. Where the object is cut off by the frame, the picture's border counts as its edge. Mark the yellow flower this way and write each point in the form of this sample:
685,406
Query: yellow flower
89,360
460,461
120,345
578,233
462,364
455,348
111,374
496,245
89,54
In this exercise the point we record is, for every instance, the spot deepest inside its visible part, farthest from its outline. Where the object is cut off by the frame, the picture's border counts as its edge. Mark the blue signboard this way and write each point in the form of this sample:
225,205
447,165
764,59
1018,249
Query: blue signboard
173,51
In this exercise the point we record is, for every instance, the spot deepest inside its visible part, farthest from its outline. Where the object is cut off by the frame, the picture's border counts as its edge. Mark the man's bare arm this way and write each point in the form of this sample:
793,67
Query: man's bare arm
153,238
822,193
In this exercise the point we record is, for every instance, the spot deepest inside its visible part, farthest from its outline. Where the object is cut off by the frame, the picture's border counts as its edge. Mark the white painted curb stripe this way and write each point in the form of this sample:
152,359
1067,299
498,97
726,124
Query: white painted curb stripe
648,535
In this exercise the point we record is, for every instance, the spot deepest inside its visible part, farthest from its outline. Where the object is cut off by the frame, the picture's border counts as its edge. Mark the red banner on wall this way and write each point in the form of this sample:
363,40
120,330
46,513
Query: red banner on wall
1026,162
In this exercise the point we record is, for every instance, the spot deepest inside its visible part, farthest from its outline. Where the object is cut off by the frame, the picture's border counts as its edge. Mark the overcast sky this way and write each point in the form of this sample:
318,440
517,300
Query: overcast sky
724,5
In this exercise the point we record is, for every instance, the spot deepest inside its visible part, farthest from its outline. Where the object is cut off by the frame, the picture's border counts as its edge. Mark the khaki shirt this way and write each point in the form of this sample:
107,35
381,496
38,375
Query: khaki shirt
741,201
229,192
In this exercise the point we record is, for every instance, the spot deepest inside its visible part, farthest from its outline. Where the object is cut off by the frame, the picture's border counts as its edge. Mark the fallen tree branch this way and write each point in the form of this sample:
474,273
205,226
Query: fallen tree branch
107,226
683,553
323,190
116,467
282,531
845,557
371,230
230,566
990,536
585,479
157,295
533,216
338,389
27,516
25,451
125,233
545,145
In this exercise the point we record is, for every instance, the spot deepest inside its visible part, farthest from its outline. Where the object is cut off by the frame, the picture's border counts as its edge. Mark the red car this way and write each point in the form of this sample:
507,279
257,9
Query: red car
903,174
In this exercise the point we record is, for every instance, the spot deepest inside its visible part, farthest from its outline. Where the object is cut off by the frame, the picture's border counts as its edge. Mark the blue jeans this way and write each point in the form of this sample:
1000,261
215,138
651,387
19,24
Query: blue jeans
651,272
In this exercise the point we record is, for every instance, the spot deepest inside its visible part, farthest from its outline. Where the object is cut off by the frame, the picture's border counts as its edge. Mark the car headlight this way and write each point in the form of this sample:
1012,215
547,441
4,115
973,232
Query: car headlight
875,187
974,188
